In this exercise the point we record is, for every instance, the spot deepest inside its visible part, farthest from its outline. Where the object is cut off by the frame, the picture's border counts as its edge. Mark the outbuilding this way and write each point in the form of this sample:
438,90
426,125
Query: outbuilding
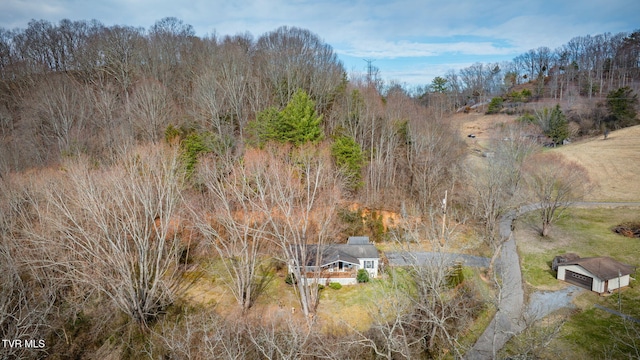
599,274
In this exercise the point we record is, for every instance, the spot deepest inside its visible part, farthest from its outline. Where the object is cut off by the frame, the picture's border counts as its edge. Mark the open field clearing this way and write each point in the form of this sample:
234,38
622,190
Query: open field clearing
613,164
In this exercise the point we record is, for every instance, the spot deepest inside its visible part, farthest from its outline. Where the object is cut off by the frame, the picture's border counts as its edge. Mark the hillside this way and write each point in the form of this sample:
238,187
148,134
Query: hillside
613,164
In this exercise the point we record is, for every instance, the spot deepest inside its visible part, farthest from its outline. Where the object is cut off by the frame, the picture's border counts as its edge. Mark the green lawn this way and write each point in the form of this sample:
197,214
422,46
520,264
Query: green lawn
586,232
589,332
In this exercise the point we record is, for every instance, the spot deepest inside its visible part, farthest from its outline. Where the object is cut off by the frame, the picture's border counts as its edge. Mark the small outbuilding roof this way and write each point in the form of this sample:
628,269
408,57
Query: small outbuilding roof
603,267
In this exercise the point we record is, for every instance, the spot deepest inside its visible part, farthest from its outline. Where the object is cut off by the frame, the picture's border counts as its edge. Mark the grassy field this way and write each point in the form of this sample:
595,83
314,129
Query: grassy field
613,164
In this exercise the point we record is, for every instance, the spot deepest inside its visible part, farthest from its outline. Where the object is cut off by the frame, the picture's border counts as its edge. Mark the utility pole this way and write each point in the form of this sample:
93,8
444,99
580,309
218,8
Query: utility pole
444,216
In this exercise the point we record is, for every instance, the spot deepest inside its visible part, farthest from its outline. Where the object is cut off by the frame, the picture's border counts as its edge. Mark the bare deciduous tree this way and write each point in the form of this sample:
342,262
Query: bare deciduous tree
60,110
298,193
28,293
121,50
555,183
281,338
234,226
151,109
496,182
441,309
389,335
117,229
292,59
208,102
433,158
204,336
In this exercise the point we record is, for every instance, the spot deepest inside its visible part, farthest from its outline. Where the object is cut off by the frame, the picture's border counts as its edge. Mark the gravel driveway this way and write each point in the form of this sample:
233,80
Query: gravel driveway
508,320
543,303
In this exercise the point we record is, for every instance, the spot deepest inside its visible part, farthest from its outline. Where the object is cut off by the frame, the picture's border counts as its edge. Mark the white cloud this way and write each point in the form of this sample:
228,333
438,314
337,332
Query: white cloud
393,50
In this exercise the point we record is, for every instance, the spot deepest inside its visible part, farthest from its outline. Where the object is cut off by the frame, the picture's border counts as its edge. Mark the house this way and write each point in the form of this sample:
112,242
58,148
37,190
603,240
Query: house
340,262
599,274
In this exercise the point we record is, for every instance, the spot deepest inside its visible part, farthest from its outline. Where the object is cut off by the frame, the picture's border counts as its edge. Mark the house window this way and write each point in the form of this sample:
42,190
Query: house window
368,264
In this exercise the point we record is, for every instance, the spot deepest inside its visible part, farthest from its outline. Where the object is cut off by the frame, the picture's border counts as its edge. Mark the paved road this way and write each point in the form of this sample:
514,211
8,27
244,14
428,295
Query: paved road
401,258
508,320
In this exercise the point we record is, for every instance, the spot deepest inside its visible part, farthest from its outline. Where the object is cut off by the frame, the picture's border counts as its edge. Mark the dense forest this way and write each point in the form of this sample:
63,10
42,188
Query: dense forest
135,161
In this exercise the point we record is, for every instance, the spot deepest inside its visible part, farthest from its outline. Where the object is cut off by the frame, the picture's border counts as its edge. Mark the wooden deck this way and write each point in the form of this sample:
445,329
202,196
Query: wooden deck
333,274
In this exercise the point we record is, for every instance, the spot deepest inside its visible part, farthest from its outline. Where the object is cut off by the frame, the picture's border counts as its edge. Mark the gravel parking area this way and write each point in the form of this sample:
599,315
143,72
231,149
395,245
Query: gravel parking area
543,303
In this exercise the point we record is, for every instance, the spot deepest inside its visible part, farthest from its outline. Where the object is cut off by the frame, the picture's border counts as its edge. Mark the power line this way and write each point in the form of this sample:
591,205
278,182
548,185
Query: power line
369,69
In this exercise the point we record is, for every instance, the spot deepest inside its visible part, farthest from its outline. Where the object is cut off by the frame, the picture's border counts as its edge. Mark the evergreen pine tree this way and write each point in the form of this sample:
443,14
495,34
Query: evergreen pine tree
558,126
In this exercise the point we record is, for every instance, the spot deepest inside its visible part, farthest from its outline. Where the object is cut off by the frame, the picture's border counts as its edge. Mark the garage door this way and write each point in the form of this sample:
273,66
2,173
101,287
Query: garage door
578,279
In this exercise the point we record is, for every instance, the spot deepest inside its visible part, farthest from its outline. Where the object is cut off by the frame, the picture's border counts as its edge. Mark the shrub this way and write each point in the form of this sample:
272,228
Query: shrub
456,276
335,285
495,105
363,276
375,225
289,279
527,118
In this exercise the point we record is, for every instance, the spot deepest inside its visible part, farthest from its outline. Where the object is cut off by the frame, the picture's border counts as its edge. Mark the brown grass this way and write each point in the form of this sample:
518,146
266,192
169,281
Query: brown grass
613,164
481,126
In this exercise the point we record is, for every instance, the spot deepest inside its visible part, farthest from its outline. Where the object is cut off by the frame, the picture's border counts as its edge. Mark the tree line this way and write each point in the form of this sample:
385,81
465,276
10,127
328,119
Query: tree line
156,151
81,87
586,66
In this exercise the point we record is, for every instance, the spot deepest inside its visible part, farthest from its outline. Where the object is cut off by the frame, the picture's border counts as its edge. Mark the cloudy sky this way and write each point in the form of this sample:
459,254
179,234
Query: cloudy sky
409,41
